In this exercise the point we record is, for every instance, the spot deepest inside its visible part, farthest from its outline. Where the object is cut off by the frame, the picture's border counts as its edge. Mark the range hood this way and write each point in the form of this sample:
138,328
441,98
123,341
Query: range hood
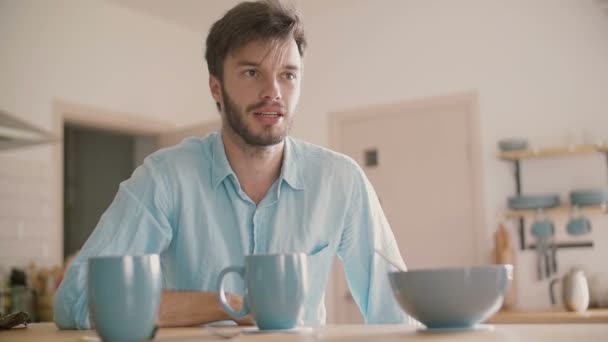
18,133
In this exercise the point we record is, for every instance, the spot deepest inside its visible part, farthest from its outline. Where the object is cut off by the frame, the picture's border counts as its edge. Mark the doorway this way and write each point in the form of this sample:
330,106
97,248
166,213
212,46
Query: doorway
423,158
95,163
91,132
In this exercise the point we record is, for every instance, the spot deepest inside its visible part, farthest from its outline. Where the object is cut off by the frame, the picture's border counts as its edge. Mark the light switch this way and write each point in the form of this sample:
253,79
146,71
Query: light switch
371,157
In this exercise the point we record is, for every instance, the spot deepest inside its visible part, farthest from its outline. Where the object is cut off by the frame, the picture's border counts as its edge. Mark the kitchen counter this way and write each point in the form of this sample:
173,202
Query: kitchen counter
549,317
530,332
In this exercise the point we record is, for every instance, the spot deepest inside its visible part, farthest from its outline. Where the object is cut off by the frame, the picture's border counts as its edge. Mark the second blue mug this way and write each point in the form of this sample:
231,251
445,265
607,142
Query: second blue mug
276,286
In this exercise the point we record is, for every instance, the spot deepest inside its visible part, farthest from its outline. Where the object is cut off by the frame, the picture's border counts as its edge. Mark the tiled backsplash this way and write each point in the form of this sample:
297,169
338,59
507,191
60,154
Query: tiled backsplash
29,224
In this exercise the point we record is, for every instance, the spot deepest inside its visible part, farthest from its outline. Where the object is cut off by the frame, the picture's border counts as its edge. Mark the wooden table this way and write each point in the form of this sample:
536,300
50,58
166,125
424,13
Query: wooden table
47,332
557,317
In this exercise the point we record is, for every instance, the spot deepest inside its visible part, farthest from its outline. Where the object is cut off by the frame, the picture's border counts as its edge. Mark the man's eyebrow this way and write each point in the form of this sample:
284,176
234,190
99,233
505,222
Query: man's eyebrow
246,63
292,67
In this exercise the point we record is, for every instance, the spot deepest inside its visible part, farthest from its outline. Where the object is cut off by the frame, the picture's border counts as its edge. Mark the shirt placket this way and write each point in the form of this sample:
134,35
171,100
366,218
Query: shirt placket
261,220
257,231
250,218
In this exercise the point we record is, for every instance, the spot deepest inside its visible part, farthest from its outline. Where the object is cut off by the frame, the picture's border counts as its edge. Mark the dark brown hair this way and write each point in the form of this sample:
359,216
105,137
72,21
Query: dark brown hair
249,21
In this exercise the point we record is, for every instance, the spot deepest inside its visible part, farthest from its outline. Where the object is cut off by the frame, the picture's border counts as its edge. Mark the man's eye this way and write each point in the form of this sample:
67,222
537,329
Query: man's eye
251,73
290,76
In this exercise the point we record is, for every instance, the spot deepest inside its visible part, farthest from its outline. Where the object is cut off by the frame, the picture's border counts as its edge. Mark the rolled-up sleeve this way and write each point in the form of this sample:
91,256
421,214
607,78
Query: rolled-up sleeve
137,222
366,229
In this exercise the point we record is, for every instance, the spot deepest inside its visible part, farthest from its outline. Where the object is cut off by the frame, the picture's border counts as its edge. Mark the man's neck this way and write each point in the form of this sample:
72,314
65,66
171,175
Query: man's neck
256,167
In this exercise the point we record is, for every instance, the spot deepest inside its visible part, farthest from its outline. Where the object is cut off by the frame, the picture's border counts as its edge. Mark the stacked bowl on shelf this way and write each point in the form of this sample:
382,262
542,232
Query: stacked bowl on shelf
578,223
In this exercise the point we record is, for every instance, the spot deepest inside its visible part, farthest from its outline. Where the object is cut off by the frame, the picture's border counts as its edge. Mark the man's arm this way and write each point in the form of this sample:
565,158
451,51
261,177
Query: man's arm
137,222
366,229
179,309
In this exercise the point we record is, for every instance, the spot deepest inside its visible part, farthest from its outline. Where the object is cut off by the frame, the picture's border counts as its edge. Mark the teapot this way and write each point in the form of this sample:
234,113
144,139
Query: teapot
575,290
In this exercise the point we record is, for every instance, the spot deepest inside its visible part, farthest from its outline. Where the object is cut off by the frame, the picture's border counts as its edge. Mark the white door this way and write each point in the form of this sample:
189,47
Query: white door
425,179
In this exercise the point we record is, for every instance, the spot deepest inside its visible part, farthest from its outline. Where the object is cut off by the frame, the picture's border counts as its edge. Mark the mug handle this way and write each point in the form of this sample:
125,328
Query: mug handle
221,293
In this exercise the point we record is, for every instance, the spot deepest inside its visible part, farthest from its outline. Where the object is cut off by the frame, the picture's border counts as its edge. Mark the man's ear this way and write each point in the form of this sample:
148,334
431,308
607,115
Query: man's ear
216,90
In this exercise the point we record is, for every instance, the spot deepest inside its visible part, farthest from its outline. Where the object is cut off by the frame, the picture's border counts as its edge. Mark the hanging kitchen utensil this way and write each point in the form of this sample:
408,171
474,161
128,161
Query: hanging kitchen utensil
547,256
543,231
553,249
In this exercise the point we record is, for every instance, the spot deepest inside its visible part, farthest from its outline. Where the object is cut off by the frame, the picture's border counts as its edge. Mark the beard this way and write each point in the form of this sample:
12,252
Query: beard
235,119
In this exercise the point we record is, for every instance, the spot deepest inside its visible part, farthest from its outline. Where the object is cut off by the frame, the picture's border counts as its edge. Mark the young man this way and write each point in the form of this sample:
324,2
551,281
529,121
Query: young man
206,203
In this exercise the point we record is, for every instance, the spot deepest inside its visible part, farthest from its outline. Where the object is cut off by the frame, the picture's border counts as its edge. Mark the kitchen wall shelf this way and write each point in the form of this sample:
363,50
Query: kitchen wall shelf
516,157
561,210
555,152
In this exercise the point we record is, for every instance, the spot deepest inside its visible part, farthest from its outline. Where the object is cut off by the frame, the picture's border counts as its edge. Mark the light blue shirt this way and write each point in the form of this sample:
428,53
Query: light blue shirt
186,204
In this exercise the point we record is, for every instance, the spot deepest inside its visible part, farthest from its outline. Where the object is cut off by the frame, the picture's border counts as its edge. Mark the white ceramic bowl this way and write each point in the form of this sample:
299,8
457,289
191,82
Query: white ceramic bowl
452,297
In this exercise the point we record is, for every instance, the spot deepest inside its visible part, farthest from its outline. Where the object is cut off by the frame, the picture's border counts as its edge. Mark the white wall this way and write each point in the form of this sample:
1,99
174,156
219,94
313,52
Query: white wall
540,68
28,224
98,54
90,53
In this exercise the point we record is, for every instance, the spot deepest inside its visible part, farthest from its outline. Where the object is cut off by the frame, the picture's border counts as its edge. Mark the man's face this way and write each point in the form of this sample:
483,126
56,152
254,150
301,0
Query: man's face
260,91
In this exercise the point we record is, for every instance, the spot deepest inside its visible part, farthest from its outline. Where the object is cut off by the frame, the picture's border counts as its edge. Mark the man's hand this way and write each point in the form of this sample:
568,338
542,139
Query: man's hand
236,303
180,309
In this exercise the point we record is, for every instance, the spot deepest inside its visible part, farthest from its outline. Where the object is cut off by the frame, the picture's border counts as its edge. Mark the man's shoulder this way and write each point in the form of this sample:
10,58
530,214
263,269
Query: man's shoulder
307,153
190,150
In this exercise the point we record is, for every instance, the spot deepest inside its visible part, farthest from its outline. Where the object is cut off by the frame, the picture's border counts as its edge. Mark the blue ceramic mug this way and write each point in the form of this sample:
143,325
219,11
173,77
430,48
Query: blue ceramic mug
124,296
578,226
578,223
276,286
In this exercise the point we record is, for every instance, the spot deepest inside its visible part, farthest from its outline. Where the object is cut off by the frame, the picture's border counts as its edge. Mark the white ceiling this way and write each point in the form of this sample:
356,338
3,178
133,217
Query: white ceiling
603,4
198,15
193,15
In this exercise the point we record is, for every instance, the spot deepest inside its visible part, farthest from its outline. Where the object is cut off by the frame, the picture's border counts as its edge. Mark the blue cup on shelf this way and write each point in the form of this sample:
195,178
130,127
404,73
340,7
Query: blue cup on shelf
543,231
578,223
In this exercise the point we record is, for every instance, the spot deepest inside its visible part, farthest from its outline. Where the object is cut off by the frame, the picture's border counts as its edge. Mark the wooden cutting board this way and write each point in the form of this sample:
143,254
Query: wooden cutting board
504,253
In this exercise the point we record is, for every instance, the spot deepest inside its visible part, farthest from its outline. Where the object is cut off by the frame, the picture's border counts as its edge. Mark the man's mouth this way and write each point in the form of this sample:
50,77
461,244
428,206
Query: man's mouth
269,114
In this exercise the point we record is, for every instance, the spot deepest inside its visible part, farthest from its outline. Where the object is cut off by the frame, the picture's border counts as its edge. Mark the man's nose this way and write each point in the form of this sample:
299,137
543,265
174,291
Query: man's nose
271,90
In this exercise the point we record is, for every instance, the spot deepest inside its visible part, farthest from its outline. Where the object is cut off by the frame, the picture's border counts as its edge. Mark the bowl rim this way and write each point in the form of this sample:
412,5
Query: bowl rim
456,269
538,196
589,191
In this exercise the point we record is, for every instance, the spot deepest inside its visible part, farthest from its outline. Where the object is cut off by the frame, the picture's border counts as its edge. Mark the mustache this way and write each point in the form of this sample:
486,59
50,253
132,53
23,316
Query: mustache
266,103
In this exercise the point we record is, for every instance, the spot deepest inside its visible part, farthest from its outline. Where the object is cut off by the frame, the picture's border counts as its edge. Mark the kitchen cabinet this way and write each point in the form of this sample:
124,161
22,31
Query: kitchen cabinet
15,133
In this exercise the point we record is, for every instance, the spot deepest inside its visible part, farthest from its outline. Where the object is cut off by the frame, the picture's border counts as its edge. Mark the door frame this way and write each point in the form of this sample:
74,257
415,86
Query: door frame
98,118
468,100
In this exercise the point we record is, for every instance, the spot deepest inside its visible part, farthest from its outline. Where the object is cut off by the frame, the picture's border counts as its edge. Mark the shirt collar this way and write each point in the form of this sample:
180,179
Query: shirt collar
290,169
221,167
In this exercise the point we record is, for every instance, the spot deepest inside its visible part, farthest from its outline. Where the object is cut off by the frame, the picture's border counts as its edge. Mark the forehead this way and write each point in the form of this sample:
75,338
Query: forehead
266,53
